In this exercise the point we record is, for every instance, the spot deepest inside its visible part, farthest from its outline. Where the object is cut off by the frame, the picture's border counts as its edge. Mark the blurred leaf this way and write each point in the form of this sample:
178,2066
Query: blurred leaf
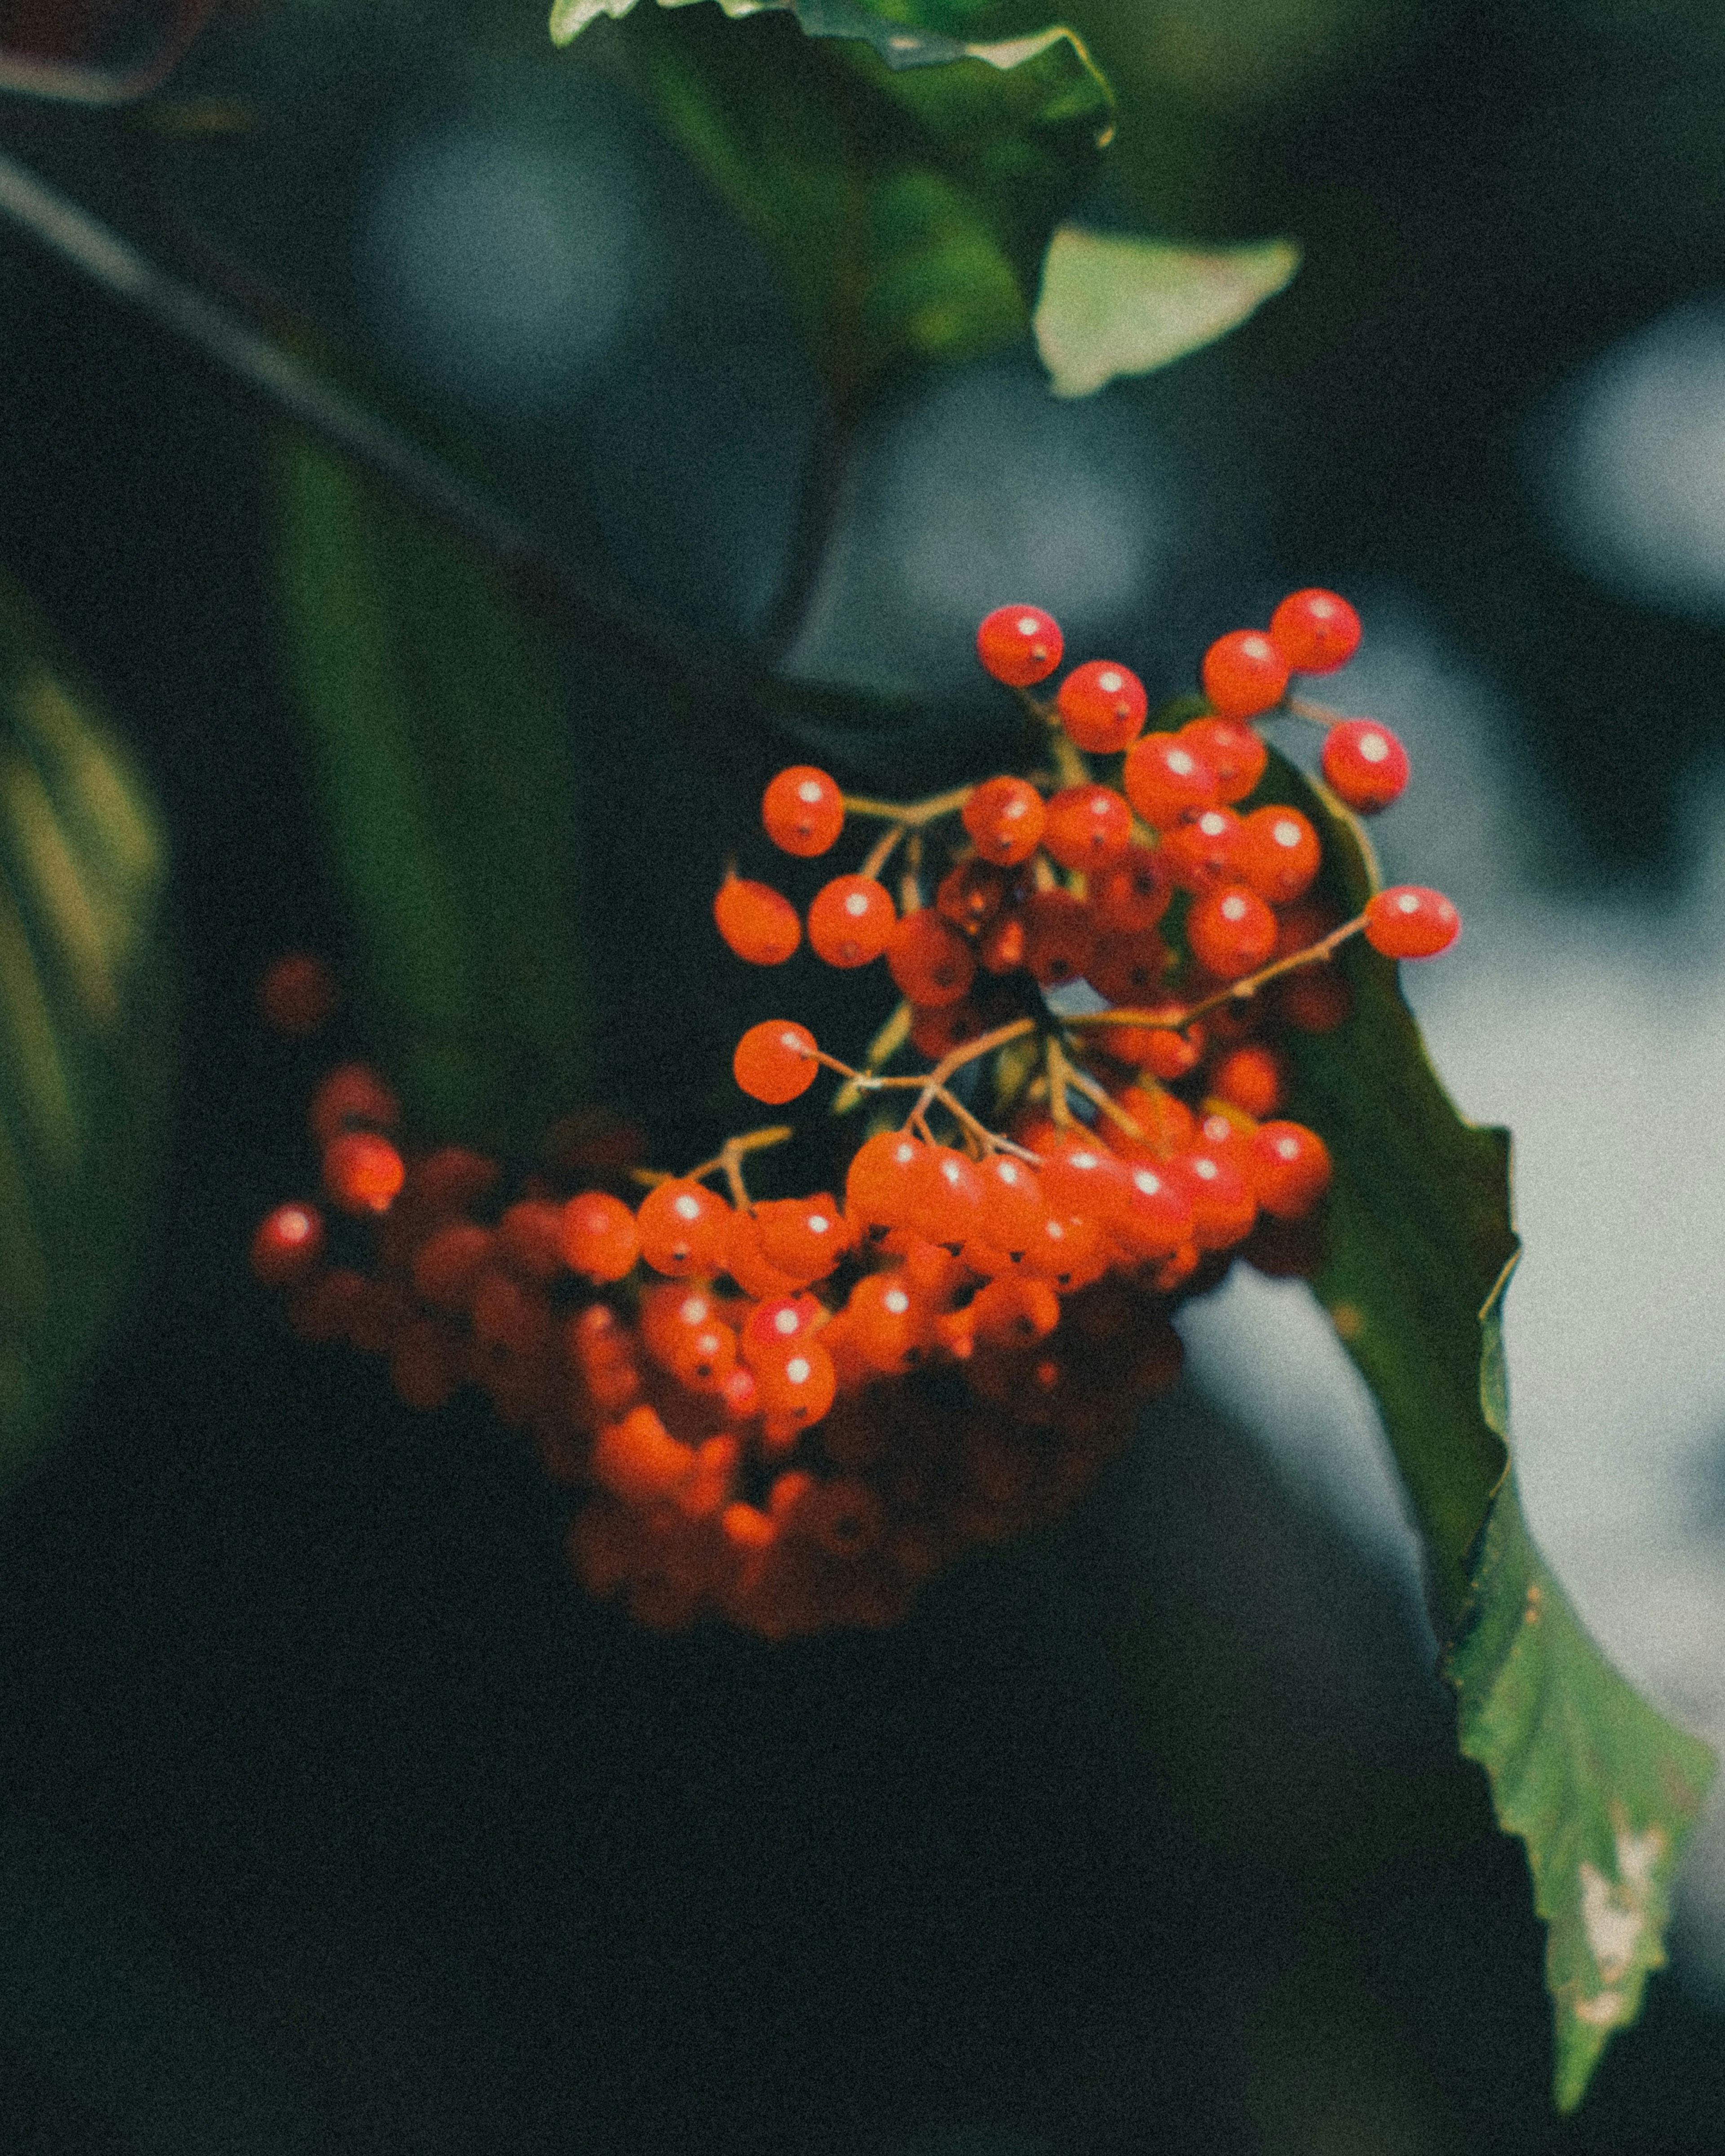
1111,304
86,1029
904,182
1602,1789
448,789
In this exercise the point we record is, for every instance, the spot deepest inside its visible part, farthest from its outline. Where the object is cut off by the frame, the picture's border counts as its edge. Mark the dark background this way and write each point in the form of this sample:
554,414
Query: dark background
331,1815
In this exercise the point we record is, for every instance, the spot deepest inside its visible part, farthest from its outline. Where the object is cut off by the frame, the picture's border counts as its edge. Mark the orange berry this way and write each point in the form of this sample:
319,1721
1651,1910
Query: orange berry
1253,1077
1071,1251
930,960
1233,749
797,1383
1200,855
1159,1213
352,1094
1278,854
1000,948
1130,898
1080,1175
1019,645
745,1260
638,1459
1014,1312
802,810
286,1245
669,1315
803,1237
1223,1203
1013,1205
774,1061
759,923
363,1171
774,1326
881,1185
1086,828
598,1236
948,1199
1243,673
885,1323
1232,931
1167,780
1291,1167
297,995
529,1238
1102,707
1005,817
682,1227
746,1528
1315,631
850,920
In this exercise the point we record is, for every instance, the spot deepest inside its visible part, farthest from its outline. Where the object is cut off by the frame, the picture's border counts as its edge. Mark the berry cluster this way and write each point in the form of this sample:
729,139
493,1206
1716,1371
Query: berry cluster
792,1412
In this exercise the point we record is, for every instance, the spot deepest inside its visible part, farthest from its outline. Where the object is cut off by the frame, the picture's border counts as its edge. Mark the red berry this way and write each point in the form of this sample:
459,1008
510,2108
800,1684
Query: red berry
1019,645
1232,750
1004,817
352,1094
1132,896
1102,707
1081,1178
1200,855
1158,1214
1013,1206
297,994
598,1236
1164,1053
446,1264
759,923
1167,780
1059,936
1366,766
1252,1078
780,1322
1243,673
929,959
936,1031
1087,828
285,1247
1223,1203
850,920
1014,1312
682,1226
1278,854
363,1171
1289,1167
947,1206
1232,931
885,1323
802,810
797,1383
1315,631
803,1237
748,1263
1409,921
879,1189
1128,969
972,893
775,1061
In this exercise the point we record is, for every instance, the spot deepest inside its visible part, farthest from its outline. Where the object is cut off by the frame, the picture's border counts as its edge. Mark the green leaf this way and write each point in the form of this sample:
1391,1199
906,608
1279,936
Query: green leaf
905,182
448,789
86,1027
1111,304
1602,1791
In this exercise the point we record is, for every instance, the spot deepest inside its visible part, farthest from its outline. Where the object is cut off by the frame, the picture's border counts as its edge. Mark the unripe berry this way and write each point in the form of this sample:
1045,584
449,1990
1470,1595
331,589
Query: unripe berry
1005,817
759,923
1315,631
1167,780
1019,645
774,1061
1366,766
1102,707
850,920
1278,854
1243,673
929,959
802,810
1409,921
1232,932
599,1239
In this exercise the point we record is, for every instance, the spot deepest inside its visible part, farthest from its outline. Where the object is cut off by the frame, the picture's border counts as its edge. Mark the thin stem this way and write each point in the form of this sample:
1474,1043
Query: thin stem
1171,1021
912,815
1071,768
882,851
1303,707
1102,1100
886,1044
729,1160
1060,1072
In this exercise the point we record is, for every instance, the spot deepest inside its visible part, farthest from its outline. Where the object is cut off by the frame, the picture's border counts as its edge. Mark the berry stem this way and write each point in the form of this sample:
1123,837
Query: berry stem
1059,1074
882,851
1071,768
912,815
886,1044
1303,707
729,1159
1102,1100
1236,992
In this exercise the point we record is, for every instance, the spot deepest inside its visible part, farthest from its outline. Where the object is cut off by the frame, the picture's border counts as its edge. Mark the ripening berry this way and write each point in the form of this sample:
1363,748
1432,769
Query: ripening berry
850,920
759,923
1132,896
286,1245
297,995
797,1383
1244,674
803,1237
1232,931
1200,855
802,810
1290,1168
1058,937
1019,645
1409,921
1102,707
1166,780
352,1094
929,959
598,1236
882,1186
1278,854
1315,631
1252,1078
1366,766
1233,750
363,1171
774,1061
1005,817
682,1226
1087,828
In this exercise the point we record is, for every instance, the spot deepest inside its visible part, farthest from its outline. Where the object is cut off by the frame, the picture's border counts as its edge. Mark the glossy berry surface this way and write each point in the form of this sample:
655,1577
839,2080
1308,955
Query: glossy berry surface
1102,707
1233,749
1086,828
682,1226
850,920
802,810
1005,817
1019,645
774,1061
1290,1165
1364,764
1232,931
1278,854
1166,781
599,1238
1244,674
758,923
1315,631
1410,921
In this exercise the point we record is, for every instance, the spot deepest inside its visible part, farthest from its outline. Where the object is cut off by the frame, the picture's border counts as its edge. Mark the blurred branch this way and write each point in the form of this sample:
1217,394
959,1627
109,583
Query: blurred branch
546,583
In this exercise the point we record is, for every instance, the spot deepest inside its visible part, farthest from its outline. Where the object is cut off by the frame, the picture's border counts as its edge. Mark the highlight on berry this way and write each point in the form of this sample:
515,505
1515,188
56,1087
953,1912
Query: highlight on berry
790,1412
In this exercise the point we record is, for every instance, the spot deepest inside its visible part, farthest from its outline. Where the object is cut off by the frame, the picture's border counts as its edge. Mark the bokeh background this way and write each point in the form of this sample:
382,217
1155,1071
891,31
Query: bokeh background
330,1816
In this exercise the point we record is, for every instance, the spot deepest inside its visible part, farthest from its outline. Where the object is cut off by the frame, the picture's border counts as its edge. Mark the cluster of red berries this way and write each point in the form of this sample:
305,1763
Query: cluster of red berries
794,1411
